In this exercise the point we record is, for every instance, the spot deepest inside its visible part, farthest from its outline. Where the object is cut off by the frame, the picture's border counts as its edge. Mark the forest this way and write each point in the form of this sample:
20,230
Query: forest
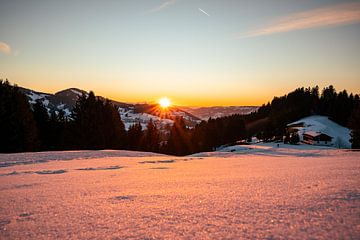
95,124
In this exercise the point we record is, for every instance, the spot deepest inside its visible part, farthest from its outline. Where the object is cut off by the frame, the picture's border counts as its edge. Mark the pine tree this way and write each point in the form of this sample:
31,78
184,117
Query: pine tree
114,128
179,141
355,127
97,124
42,121
58,125
135,137
151,138
17,125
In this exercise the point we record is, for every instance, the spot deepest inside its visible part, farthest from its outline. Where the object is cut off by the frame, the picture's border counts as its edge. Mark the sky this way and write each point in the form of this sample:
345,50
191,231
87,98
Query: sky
195,52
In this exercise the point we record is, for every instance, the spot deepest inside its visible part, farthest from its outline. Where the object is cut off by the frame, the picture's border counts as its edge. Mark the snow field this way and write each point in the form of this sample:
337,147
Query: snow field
132,195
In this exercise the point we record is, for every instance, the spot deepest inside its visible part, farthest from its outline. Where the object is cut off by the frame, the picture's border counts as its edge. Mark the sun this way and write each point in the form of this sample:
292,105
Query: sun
164,102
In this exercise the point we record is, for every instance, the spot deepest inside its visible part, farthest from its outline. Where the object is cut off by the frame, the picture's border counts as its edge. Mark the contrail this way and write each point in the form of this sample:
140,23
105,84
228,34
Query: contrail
204,12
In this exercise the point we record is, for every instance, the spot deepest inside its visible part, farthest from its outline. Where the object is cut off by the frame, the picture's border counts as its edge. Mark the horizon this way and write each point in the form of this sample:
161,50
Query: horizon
196,53
173,104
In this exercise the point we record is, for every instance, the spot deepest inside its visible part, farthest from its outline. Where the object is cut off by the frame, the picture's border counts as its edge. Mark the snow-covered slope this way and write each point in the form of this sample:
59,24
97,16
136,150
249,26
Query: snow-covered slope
129,117
124,195
316,123
270,149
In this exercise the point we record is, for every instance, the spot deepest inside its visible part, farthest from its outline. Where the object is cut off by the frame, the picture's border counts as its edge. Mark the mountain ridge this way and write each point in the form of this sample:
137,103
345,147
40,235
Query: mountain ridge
65,100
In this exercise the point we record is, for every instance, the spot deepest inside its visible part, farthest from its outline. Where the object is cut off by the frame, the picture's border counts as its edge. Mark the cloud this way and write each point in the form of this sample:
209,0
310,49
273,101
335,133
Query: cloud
341,14
5,48
162,6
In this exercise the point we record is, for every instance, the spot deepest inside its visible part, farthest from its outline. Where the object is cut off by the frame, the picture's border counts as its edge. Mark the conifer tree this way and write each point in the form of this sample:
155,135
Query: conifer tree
355,128
178,142
42,121
17,125
97,124
135,137
151,137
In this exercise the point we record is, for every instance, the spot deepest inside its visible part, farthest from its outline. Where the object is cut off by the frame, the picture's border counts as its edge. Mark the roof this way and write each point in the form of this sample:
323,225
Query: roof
312,133
296,124
315,134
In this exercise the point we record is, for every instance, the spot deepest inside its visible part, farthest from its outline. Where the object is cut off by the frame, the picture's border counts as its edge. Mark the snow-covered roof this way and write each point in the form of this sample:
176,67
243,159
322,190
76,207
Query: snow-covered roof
312,133
315,134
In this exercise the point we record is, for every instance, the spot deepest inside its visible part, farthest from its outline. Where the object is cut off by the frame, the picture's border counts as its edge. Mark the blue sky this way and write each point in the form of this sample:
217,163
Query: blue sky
239,53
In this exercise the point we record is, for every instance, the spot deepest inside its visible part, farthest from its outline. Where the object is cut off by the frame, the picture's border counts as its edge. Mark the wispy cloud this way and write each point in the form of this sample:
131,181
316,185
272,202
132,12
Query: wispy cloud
162,6
341,14
5,48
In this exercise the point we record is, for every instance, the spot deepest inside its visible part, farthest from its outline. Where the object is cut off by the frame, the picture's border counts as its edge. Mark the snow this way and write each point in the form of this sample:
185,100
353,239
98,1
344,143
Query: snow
60,106
34,96
267,192
312,133
46,102
316,123
67,112
41,157
130,118
76,92
272,149
129,124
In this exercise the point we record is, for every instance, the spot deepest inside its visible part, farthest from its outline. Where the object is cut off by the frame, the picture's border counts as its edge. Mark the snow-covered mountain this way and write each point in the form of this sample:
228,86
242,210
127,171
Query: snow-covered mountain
64,100
130,113
215,112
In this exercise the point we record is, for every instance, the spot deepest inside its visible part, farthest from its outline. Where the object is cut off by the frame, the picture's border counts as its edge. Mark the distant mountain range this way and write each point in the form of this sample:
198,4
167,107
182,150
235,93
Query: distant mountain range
131,113
215,112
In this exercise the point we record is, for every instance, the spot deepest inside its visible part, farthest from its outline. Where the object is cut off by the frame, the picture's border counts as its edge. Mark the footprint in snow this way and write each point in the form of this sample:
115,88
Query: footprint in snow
124,198
159,161
3,223
51,171
143,162
10,173
100,168
24,216
166,161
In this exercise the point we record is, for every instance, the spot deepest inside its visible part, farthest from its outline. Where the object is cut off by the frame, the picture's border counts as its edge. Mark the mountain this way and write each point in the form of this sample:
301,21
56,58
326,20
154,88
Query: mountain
130,113
64,100
215,112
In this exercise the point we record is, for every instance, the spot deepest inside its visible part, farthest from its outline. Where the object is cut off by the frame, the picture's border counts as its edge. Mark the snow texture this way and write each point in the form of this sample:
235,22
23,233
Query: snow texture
255,192
34,96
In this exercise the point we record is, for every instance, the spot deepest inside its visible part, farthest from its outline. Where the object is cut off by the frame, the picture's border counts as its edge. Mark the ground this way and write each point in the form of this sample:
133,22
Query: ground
264,192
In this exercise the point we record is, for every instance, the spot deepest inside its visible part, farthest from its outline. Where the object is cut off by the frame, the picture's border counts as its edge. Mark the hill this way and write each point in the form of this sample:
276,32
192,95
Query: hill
65,100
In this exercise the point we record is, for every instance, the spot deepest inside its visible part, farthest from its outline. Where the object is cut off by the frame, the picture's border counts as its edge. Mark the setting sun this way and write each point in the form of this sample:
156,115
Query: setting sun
164,102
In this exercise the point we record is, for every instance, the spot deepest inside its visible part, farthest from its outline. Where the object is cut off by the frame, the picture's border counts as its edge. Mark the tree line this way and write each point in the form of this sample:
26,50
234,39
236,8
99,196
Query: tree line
96,124
341,107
